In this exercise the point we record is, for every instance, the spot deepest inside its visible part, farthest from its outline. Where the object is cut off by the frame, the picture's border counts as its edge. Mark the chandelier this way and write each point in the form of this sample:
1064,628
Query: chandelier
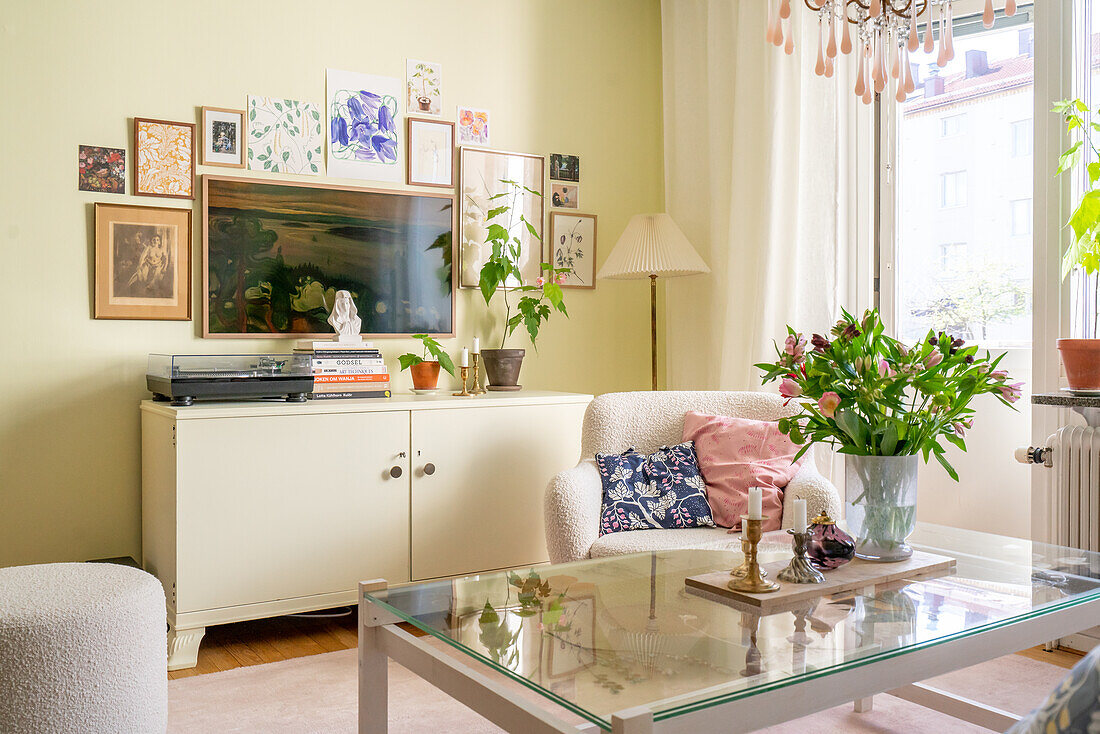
882,33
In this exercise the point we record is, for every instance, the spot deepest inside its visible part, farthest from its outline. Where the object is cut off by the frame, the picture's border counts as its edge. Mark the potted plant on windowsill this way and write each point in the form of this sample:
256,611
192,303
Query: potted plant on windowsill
501,274
1081,357
425,371
881,404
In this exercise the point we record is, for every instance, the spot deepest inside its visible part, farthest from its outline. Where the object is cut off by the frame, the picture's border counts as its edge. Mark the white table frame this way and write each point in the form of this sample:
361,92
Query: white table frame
380,639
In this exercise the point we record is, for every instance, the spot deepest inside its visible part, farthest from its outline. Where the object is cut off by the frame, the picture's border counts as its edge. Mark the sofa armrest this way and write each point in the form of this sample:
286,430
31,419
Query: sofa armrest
819,493
572,512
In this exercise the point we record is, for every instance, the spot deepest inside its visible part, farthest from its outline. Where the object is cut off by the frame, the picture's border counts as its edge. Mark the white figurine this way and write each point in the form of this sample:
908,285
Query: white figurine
345,318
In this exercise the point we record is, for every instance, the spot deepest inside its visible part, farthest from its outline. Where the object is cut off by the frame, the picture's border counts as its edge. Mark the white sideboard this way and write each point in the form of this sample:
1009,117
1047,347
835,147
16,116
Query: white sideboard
257,509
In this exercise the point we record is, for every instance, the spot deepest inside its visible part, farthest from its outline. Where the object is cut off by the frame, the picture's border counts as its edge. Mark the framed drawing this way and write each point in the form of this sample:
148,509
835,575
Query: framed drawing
164,158
223,137
430,153
275,253
571,640
102,170
482,172
284,136
424,87
364,124
565,167
565,196
142,262
573,245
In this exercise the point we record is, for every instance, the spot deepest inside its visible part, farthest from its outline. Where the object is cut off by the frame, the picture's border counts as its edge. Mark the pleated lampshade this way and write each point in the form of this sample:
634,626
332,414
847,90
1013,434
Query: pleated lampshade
652,244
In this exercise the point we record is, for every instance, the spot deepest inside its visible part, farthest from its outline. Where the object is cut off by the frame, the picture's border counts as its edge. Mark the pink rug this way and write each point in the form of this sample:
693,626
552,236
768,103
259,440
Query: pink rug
318,694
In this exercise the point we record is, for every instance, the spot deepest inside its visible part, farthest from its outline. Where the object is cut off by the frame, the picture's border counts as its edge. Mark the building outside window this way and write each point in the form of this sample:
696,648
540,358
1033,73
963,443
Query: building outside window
953,189
952,125
1022,138
952,257
1021,217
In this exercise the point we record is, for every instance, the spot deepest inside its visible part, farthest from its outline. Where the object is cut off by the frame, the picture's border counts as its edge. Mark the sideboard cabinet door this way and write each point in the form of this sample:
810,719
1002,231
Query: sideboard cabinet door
478,480
278,507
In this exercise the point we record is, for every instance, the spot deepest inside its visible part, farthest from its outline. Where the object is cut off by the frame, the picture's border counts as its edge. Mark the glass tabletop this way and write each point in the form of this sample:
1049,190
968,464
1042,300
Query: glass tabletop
603,635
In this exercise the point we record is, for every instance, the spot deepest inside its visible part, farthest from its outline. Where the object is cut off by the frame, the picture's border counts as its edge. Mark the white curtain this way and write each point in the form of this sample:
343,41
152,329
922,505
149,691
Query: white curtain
761,172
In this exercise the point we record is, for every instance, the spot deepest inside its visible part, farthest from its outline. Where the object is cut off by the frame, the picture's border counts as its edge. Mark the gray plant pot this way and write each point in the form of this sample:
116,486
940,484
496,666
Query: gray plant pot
502,368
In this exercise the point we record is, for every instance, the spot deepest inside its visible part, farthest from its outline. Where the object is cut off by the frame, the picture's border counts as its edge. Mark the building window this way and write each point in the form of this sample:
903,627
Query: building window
953,189
1022,139
952,257
1021,217
952,125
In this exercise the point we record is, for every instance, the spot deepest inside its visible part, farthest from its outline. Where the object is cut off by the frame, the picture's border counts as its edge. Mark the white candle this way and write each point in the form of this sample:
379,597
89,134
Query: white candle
756,503
799,516
464,360
477,345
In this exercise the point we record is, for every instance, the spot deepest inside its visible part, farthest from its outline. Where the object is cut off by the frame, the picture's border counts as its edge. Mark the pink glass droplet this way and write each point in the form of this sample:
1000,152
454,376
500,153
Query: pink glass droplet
861,83
830,50
950,34
777,36
846,42
788,47
1010,8
929,38
819,69
914,42
876,8
987,14
769,32
785,9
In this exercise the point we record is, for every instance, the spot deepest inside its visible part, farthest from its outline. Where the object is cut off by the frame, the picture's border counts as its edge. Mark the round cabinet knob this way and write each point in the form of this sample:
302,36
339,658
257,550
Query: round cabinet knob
429,468
395,472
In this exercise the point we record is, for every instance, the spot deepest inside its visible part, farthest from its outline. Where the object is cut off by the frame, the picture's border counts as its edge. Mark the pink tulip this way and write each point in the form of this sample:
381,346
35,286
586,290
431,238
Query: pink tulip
1011,392
828,404
795,346
884,369
789,388
540,281
1000,375
933,359
959,429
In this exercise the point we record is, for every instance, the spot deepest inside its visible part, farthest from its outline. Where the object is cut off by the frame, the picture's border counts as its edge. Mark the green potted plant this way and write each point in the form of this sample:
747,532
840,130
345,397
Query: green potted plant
882,404
1081,357
424,367
501,274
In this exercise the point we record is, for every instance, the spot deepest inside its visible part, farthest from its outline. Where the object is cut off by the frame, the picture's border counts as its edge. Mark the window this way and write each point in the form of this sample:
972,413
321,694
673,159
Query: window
1021,217
1022,138
953,189
952,125
952,257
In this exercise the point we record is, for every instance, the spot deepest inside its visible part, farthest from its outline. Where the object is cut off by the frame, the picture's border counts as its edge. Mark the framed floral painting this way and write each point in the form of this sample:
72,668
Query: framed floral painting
223,137
164,158
102,170
573,245
364,126
473,126
284,136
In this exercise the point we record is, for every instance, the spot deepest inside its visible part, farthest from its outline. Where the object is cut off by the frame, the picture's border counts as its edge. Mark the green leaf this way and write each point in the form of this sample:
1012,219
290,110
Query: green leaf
445,362
945,463
1070,158
495,212
496,233
408,360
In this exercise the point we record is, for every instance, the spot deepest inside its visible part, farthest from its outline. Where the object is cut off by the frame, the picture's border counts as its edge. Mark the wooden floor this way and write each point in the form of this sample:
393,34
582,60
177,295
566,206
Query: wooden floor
231,646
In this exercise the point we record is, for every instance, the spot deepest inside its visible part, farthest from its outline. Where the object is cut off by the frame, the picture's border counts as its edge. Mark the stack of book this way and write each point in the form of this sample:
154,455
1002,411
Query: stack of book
342,371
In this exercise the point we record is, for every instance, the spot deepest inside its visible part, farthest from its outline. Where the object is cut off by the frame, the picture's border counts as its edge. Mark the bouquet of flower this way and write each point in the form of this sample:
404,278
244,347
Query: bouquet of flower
870,395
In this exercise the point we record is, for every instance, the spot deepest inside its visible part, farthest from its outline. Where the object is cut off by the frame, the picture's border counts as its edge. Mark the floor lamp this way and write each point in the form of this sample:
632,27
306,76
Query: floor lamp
652,245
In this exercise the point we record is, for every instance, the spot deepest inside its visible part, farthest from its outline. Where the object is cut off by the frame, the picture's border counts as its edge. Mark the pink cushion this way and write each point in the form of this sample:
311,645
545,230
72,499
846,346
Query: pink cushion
738,453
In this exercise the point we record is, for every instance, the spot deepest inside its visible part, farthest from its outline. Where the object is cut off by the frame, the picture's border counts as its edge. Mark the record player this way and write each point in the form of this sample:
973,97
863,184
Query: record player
182,378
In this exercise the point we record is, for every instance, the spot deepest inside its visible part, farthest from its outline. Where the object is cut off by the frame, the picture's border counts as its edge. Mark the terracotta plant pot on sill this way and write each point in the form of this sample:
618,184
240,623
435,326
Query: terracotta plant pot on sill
502,368
1081,358
425,375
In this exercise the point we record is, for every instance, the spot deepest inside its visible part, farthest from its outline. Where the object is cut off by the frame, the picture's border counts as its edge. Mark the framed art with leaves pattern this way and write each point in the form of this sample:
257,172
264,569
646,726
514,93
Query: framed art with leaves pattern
164,158
573,245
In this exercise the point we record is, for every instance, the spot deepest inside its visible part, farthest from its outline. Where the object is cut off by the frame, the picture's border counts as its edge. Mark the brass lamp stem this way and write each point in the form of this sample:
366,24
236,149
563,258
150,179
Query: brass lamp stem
653,326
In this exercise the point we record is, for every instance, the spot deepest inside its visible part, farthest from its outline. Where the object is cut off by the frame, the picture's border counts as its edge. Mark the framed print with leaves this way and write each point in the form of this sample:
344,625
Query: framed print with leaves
142,262
430,153
164,158
223,137
284,136
573,245
483,187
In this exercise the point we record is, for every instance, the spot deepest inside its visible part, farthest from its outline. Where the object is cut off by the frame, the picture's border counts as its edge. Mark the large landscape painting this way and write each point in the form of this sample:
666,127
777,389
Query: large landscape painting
277,253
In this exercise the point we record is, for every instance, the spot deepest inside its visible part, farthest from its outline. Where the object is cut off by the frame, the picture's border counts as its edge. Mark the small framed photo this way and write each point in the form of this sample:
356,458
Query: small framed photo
565,167
473,126
102,170
142,262
565,196
573,245
223,137
430,153
164,158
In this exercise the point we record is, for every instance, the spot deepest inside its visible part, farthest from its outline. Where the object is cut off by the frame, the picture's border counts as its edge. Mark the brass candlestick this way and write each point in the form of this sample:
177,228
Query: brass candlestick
799,570
753,581
465,372
740,571
478,389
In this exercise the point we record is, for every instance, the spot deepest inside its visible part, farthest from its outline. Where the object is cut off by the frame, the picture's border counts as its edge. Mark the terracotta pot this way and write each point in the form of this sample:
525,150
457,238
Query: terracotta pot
1081,358
502,368
425,375
425,103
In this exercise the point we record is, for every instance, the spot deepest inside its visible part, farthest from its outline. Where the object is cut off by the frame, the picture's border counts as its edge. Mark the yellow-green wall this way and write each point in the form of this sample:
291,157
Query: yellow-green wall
571,76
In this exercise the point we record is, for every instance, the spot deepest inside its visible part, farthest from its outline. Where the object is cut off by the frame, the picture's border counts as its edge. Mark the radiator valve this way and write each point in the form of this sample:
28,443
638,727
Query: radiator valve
1035,455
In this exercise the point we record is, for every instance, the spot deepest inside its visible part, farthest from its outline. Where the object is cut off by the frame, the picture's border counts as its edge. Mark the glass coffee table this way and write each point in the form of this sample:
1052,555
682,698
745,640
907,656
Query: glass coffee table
621,644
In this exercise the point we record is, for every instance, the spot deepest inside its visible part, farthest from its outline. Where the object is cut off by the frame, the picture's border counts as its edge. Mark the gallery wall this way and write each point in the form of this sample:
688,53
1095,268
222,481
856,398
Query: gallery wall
572,76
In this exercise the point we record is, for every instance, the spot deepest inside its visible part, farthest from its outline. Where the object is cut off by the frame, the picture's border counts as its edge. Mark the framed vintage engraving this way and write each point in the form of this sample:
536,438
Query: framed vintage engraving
142,262
223,137
482,175
430,153
573,245
164,158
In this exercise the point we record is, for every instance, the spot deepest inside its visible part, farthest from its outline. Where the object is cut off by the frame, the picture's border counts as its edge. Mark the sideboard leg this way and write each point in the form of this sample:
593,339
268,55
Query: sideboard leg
863,705
373,668
183,647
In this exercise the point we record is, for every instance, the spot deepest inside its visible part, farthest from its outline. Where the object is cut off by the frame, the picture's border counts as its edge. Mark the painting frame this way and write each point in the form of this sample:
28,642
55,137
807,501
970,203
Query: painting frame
569,193
557,216
431,75
410,123
105,305
531,267
138,189
207,138
89,156
565,167
264,143
208,334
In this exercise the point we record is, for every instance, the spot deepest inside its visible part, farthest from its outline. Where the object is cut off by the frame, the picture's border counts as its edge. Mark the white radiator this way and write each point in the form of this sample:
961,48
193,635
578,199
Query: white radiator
1073,453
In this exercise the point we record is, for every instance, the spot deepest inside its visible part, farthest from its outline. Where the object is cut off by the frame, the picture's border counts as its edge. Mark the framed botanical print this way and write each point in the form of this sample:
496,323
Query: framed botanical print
483,187
573,245
223,137
102,170
430,153
164,158
142,262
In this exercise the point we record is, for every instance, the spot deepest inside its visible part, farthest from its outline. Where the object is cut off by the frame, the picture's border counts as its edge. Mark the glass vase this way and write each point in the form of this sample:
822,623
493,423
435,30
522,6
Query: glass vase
880,503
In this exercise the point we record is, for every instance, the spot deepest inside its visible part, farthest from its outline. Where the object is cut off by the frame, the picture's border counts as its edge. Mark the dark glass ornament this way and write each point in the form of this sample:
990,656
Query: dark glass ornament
829,546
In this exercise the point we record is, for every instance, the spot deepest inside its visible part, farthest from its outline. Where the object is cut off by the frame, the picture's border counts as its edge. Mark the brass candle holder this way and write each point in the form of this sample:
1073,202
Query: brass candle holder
753,581
478,389
465,372
743,569
799,570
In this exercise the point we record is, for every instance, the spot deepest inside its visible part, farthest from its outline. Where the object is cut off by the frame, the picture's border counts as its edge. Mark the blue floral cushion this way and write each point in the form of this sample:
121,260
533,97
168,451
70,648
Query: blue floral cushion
1071,708
661,490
